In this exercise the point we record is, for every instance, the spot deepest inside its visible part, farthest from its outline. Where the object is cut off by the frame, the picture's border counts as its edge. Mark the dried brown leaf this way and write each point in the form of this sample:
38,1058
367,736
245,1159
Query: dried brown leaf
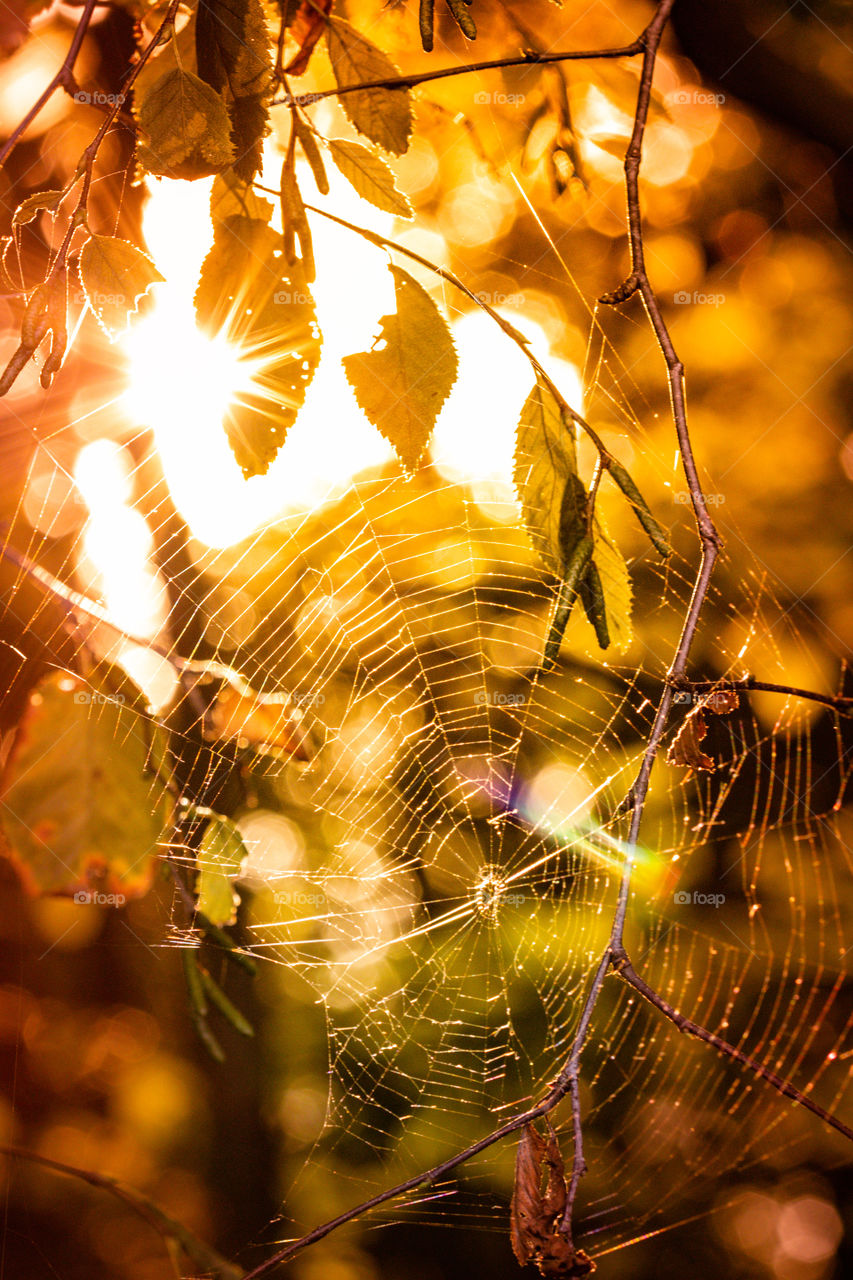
536,1219
685,749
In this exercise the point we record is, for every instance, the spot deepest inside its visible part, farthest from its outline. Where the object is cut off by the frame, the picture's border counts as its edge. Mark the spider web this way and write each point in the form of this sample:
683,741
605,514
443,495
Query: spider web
437,880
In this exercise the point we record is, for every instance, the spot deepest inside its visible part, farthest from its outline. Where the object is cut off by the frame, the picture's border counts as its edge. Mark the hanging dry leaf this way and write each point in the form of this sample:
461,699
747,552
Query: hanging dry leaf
721,702
308,24
685,749
536,1215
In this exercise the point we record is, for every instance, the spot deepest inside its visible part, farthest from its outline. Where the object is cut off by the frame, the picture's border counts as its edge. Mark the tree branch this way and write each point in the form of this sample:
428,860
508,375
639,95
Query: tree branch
530,58
63,79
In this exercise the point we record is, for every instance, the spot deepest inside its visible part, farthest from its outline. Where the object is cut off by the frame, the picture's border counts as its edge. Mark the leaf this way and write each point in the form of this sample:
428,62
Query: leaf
721,702
640,508
685,748
34,204
370,176
233,57
231,197
305,27
402,384
382,115
220,860
77,804
114,275
536,1217
615,585
248,292
545,460
185,127
576,571
264,721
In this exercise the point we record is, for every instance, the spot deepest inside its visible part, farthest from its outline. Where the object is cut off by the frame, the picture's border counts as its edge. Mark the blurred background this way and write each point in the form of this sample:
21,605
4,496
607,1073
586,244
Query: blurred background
119,480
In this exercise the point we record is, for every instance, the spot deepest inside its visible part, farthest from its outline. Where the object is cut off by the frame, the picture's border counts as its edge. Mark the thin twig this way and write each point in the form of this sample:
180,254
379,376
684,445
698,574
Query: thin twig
201,1254
625,969
64,79
530,58
842,703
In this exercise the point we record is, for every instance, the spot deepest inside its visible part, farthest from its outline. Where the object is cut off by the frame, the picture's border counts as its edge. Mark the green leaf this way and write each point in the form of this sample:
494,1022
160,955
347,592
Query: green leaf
370,176
34,204
640,508
382,115
80,814
114,275
233,57
402,385
545,460
615,585
225,1006
248,291
185,128
576,570
220,859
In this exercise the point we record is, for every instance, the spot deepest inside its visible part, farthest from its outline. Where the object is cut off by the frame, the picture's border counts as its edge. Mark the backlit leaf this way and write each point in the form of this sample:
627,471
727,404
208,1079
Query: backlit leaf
305,28
402,383
382,115
114,275
185,128
220,858
78,809
233,55
545,459
370,176
250,293
28,209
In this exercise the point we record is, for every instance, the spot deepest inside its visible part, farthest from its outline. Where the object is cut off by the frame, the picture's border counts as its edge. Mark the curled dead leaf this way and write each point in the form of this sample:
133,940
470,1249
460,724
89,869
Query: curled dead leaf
536,1211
